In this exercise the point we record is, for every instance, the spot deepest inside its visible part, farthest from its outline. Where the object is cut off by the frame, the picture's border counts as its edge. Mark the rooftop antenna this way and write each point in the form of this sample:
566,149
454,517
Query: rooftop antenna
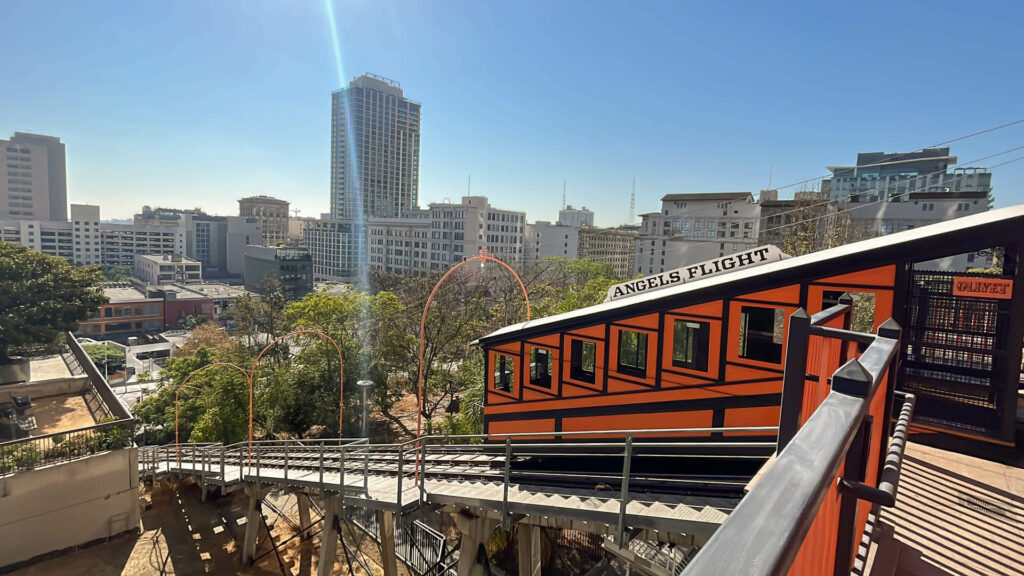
563,194
469,184
632,204
771,173
296,212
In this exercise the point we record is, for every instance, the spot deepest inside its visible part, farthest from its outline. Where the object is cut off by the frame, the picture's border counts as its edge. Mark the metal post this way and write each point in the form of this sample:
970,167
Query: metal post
364,389
794,377
366,468
423,471
257,463
627,457
320,465
504,498
286,460
222,479
401,455
341,475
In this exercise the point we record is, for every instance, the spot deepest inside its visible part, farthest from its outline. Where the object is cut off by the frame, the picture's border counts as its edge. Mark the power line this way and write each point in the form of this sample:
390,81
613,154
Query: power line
904,154
926,175
858,206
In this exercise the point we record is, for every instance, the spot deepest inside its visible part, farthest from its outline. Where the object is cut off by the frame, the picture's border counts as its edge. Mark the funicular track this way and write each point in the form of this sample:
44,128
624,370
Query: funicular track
675,484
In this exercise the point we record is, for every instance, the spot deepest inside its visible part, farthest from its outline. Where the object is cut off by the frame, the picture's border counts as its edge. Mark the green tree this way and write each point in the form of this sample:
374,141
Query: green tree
42,296
105,356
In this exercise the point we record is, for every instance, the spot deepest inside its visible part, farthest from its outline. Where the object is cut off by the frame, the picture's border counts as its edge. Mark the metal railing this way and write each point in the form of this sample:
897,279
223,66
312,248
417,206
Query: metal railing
112,403
803,514
424,550
38,451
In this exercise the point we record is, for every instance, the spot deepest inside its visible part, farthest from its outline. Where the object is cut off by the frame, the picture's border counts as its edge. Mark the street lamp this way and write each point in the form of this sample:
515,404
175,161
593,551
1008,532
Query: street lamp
364,391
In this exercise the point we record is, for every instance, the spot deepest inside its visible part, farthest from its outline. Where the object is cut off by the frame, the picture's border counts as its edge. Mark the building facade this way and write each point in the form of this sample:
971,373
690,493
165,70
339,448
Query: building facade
577,217
400,245
270,213
695,227
879,176
79,241
291,266
128,310
613,246
375,150
33,179
460,231
166,269
544,240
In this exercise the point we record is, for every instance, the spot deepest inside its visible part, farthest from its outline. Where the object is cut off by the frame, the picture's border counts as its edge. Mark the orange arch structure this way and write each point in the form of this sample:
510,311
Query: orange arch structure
341,378
483,256
177,392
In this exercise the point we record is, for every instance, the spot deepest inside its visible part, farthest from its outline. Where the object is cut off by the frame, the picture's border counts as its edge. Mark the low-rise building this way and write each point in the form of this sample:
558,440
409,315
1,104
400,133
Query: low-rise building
544,240
167,269
128,310
291,266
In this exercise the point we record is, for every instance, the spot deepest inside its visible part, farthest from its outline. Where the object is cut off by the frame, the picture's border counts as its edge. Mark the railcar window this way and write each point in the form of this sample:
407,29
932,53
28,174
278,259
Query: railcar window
504,372
690,345
583,361
761,333
633,353
540,367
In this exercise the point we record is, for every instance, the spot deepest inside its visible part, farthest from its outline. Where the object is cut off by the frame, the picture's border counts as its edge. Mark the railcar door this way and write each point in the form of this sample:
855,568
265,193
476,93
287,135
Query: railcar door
956,353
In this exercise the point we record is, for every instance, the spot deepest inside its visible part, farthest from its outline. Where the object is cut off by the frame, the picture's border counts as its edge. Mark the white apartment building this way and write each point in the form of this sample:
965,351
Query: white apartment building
400,244
695,227
168,269
577,217
33,178
78,241
544,239
336,248
459,231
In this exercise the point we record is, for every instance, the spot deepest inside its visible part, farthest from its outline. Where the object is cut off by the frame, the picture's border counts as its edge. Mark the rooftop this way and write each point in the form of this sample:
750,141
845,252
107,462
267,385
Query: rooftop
709,196
124,292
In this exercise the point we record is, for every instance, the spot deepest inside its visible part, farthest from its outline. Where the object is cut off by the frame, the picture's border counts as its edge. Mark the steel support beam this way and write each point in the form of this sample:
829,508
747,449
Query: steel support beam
253,516
388,558
302,500
475,531
528,549
329,537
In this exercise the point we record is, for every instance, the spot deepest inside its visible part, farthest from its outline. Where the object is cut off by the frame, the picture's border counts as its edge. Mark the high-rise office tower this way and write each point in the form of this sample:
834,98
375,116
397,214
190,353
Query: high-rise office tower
33,178
375,150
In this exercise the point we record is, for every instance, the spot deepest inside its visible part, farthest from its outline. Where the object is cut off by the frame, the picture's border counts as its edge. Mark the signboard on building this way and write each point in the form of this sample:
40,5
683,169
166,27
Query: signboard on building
699,271
975,287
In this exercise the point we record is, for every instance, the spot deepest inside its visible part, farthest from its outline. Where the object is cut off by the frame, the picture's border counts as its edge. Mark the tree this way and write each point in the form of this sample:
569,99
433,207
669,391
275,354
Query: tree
209,335
42,296
105,356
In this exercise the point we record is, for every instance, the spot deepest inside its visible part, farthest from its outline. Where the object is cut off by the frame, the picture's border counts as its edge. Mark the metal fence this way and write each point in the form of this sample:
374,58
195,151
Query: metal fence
37,451
424,550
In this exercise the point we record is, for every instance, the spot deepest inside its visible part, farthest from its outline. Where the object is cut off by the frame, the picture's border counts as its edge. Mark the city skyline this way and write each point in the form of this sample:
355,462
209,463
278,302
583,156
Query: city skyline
182,115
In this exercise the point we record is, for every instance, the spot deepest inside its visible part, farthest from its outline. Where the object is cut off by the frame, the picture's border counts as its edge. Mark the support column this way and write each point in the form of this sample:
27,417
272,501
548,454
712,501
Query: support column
386,521
475,531
529,549
252,522
329,537
302,499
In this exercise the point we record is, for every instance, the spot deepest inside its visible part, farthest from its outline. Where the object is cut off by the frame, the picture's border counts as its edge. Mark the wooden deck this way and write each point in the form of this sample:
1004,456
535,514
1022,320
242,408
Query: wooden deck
954,515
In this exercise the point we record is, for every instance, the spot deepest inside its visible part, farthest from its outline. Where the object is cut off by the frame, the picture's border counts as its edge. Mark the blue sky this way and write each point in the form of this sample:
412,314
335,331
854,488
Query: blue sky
200,103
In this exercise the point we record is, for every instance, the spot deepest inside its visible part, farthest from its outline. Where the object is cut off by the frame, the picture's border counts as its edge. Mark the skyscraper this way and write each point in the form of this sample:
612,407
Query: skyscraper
33,178
375,150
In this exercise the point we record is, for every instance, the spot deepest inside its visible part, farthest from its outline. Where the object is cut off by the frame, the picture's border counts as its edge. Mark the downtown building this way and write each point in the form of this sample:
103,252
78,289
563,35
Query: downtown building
375,159
432,240
692,228
33,179
270,213
575,236
885,193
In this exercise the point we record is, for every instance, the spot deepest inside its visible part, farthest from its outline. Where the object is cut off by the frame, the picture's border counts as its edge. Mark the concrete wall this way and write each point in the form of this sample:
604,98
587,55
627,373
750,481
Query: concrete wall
44,388
68,504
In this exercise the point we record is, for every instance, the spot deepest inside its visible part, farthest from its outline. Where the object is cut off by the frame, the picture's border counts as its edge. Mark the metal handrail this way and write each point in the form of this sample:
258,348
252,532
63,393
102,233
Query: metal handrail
765,532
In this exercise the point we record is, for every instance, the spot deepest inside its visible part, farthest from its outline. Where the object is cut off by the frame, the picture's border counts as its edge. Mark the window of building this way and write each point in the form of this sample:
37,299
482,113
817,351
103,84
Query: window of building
504,372
540,367
690,345
762,331
633,353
